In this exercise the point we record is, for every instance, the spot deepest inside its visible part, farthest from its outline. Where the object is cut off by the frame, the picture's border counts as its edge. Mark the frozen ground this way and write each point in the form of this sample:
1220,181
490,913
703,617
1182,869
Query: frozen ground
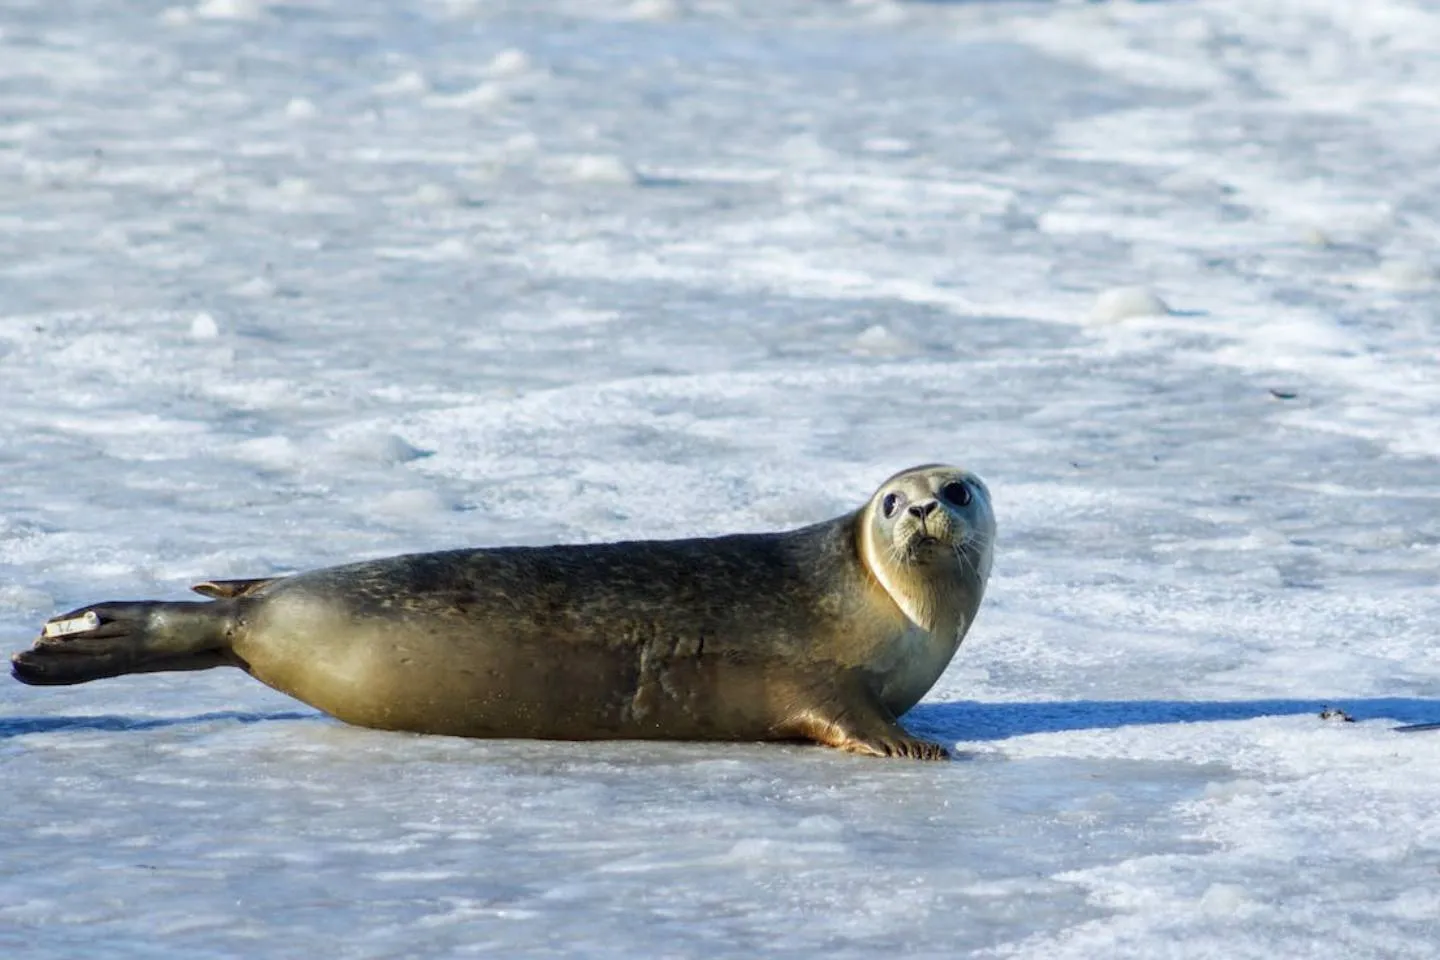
283,285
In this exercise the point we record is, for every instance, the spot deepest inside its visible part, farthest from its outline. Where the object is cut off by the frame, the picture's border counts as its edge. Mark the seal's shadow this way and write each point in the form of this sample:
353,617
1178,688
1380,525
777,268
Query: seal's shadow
972,720
956,721
19,726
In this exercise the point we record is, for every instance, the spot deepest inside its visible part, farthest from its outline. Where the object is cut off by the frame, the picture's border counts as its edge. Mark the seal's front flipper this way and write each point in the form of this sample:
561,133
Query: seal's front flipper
856,722
874,740
113,639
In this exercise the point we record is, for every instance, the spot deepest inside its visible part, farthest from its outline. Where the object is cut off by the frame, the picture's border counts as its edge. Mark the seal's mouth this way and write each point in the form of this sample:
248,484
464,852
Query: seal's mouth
926,545
923,541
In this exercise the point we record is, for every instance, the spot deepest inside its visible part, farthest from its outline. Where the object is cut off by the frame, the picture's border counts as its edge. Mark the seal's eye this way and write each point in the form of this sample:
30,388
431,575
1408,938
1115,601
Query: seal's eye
890,504
957,493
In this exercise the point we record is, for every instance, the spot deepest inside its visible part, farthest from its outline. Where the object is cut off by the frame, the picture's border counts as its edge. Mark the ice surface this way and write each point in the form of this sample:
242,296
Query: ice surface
291,284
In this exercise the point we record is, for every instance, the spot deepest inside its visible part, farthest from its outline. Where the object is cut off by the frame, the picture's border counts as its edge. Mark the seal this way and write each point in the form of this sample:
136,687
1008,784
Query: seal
825,633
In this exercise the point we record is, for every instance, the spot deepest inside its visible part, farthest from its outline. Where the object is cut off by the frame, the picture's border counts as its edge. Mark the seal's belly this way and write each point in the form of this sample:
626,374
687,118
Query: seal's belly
459,676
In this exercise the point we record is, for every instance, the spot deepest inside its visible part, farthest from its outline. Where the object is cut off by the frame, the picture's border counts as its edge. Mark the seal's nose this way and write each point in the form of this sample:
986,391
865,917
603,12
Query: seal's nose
923,510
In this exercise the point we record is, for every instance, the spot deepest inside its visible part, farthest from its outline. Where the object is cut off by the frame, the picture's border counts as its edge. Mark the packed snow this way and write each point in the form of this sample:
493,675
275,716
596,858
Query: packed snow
284,285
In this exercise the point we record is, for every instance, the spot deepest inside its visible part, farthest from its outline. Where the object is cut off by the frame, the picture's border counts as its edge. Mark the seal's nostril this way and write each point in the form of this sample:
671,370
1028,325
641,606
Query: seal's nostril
923,510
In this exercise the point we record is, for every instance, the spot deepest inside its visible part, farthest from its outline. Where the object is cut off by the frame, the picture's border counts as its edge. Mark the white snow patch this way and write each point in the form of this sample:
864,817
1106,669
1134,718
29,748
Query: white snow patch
204,327
421,504
434,195
230,10
884,12
404,84
879,341
444,251
520,145
276,453
299,108
1227,900
1123,303
654,10
257,287
296,187
511,62
600,168
889,146
375,447
484,96
1407,273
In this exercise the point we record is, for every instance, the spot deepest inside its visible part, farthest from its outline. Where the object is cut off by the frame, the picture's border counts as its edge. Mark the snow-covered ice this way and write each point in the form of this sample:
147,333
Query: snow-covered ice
284,285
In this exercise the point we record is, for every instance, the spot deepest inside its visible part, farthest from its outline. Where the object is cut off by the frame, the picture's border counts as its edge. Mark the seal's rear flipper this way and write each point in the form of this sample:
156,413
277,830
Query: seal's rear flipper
113,639
229,589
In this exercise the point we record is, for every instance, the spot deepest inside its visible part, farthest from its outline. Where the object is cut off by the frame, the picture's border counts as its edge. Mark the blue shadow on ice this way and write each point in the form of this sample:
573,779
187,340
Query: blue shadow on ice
19,726
960,720
973,720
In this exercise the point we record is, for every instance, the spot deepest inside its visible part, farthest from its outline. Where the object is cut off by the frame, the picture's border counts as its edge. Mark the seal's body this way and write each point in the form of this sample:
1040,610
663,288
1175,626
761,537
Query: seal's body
827,633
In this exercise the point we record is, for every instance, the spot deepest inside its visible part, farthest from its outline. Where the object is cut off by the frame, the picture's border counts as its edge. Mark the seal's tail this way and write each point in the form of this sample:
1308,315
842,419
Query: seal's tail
113,639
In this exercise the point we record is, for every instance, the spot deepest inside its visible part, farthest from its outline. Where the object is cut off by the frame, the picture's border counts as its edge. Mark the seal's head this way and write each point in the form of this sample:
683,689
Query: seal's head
926,534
